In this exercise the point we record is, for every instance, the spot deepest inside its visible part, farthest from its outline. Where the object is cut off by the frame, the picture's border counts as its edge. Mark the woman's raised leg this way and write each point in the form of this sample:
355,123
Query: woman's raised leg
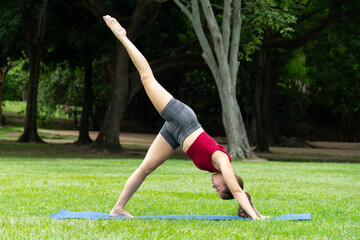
159,151
157,94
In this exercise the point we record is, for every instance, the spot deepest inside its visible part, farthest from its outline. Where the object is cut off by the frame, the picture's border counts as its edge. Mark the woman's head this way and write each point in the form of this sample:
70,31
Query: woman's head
221,187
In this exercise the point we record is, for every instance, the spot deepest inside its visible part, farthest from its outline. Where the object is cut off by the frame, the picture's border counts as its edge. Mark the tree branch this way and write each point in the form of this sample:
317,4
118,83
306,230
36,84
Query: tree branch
214,30
226,25
28,20
4,71
172,64
235,42
99,9
194,17
217,39
303,38
179,63
184,9
182,49
41,22
144,14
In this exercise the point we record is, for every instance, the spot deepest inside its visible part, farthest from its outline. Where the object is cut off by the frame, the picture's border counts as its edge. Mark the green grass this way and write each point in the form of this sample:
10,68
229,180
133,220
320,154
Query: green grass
14,106
11,133
32,188
10,129
20,108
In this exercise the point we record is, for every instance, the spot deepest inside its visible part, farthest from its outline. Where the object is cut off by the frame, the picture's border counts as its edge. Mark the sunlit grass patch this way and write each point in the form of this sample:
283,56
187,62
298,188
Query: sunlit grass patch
14,106
33,188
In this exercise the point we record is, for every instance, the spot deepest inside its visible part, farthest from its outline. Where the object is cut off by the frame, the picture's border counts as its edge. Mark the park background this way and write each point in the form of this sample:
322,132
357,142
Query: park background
67,82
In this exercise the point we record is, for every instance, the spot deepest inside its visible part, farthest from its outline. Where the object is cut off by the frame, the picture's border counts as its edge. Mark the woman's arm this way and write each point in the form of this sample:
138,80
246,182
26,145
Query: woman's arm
222,162
242,213
239,194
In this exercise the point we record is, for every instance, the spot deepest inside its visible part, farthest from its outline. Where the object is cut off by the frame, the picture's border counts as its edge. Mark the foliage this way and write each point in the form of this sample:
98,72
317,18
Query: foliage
327,67
171,30
333,65
12,34
73,37
293,86
37,187
199,83
101,89
260,17
296,68
62,85
16,79
73,34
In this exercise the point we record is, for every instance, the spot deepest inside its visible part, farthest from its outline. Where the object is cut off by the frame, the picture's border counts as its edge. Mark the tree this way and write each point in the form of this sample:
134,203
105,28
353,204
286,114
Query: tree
34,32
11,44
224,64
84,137
333,78
3,72
143,14
313,17
76,39
125,83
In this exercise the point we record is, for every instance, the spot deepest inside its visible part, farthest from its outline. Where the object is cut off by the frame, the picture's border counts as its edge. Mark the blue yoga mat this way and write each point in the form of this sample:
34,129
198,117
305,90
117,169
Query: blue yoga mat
63,214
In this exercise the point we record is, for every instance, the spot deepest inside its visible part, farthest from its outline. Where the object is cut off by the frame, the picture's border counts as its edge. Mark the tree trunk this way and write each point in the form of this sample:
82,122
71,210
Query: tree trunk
270,94
108,137
144,14
84,137
1,89
238,144
265,98
260,106
224,64
30,132
3,73
267,129
274,136
34,35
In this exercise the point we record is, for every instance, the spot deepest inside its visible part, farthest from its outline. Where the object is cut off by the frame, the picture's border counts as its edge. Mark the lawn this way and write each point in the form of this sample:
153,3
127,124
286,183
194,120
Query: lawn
14,106
32,188
9,135
19,107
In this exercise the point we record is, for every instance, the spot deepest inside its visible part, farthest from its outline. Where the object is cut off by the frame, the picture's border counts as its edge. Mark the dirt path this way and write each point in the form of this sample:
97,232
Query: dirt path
334,150
125,138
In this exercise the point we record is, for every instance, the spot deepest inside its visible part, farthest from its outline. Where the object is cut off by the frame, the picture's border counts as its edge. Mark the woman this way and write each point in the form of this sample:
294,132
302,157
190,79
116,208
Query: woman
181,128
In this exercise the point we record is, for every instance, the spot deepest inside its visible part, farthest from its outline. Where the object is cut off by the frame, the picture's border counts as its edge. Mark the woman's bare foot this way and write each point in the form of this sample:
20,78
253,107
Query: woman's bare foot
120,212
115,26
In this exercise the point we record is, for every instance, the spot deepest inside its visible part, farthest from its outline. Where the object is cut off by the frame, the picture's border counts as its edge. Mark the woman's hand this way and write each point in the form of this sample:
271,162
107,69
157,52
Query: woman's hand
115,26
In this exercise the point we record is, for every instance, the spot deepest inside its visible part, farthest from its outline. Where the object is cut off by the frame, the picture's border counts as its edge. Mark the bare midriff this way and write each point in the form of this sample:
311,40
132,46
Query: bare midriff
191,138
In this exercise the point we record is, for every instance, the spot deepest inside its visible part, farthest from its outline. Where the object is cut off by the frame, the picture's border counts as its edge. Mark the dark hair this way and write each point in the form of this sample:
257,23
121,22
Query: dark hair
241,212
227,193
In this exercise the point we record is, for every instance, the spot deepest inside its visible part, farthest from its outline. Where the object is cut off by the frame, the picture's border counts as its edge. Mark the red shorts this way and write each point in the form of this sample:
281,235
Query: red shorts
201,151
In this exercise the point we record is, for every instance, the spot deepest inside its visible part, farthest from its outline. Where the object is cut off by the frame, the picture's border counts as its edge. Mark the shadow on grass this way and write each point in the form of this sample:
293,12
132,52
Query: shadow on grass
309,158
11,149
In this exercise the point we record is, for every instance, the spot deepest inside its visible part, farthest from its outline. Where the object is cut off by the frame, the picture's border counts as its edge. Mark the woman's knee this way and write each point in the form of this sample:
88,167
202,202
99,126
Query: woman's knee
146,170
147,79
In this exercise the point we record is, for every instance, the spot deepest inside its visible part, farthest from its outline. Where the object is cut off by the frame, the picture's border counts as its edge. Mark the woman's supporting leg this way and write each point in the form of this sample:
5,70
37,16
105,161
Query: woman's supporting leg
157,94
158,152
